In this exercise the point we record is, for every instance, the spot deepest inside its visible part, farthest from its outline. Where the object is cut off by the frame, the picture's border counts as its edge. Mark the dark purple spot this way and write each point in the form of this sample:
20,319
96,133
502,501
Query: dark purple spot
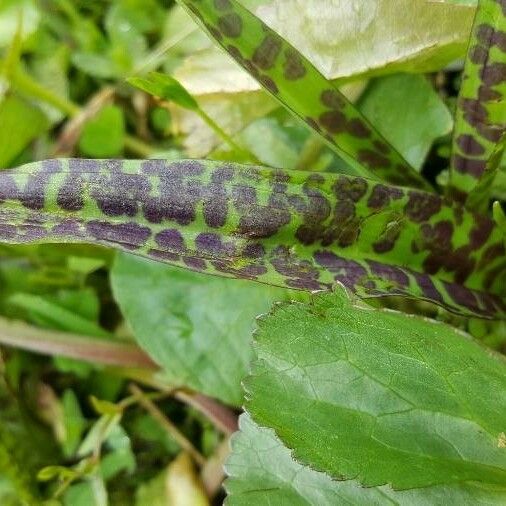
470,166
358,128
266,54
164,256
381,196
353,188
128,235
294,66
222,5
332,99
422,206
333,121
494,74
212,245
478,55
269,84
469,145
195,263
372,159
170,239
230,25
390,273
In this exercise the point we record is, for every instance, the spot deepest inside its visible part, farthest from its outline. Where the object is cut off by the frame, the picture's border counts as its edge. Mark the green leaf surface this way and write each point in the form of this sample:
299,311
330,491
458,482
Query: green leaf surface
408,112
480,121
286,228
198,329
104,135
298,85
379,396
15,135
262,470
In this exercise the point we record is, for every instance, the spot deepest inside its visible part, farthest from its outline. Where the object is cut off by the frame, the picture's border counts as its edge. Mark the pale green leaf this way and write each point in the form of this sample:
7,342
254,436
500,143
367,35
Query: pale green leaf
408,113
379,396
262,471
197,328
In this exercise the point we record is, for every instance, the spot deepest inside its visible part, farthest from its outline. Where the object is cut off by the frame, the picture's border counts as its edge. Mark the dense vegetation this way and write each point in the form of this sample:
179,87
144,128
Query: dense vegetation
345,194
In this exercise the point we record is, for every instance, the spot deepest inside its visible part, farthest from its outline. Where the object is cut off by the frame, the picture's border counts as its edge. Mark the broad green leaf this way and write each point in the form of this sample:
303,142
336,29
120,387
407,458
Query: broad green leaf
104,135
262,471
379,396
285,228
200,329
298,85
166,88
481,107
15,135
408,112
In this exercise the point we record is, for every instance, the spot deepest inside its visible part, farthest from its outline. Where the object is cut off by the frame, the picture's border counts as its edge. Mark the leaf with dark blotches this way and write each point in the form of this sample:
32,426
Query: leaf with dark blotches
286,228
299,86
481,107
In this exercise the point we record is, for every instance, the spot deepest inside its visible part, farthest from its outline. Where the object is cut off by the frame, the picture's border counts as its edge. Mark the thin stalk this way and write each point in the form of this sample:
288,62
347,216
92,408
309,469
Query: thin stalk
167,424
52,342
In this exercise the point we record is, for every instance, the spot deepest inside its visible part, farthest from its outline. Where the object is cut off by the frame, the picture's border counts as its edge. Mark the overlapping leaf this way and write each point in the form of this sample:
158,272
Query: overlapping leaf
481,107
380,397
298,85
286,228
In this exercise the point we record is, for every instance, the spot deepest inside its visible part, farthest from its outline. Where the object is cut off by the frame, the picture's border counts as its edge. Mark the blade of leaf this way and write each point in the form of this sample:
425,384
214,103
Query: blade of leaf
298,85
481,106
262,470
286,228
366,381
480,195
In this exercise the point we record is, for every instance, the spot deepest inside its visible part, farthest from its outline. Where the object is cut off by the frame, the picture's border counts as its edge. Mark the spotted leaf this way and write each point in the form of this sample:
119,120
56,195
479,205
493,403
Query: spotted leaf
300,87
286,228
481,107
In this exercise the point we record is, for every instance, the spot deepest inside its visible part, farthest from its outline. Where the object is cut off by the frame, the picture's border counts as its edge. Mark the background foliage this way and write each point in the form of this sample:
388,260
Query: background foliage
123,379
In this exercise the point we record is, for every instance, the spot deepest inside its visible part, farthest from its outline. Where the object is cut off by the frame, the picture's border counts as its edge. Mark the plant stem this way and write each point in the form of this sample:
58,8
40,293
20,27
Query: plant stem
52,342
174,432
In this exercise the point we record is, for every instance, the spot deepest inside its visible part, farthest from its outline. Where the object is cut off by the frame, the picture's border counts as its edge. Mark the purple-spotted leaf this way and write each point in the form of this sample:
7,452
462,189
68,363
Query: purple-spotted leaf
299,86
379,396
286,228
481,107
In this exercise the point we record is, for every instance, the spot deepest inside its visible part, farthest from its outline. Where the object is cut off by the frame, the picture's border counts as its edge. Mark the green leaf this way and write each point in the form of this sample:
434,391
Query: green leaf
350,39
298,85
262,470
286,228
379,396
104,135
199,329
408,112
481,107
166,88
15,135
